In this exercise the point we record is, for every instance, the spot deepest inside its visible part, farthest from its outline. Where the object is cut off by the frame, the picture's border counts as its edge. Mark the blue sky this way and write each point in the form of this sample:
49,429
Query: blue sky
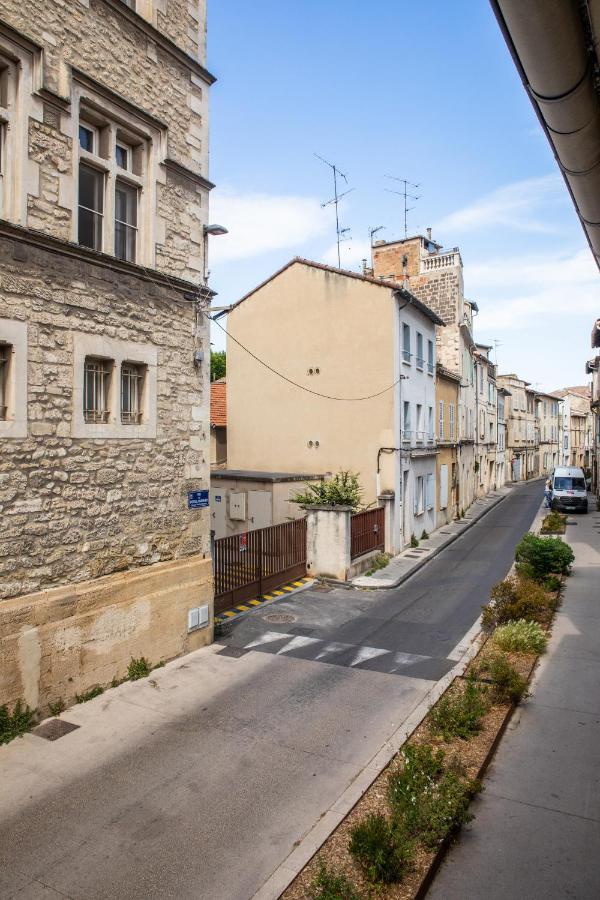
426,92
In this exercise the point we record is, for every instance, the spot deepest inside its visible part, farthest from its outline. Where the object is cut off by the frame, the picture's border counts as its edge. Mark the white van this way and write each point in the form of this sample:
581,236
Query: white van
569,489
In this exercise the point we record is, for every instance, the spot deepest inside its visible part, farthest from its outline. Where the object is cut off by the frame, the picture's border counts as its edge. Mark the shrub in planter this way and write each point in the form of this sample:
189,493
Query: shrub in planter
327,885
428,801
553,523
414,541
445,809
538,557
515,598
552,583
522,636
460,714
508,686
423,767
382,848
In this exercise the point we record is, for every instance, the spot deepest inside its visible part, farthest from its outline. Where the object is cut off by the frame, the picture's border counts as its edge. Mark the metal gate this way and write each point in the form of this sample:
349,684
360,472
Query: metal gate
367,531
250,564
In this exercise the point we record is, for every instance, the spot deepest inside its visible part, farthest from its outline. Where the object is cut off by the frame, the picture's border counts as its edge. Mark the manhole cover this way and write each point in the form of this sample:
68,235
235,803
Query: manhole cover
280,618
234,652
54,729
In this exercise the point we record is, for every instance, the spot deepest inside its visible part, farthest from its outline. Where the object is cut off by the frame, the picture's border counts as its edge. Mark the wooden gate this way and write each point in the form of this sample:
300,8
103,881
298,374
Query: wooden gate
255,562
367,531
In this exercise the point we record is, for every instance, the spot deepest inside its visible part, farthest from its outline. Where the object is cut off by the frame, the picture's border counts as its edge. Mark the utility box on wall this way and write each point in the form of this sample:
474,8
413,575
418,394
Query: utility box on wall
237,506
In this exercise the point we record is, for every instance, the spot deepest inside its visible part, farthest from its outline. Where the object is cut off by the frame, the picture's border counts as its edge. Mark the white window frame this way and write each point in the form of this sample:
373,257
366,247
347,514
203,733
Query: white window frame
406,354
406,431
429,491
419,500
419,358
119,353
144,141
430,426
430,357
419,433
13,334
451,420
441,422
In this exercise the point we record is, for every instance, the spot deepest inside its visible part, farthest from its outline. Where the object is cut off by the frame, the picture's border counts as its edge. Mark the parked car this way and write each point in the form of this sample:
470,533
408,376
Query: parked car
569,489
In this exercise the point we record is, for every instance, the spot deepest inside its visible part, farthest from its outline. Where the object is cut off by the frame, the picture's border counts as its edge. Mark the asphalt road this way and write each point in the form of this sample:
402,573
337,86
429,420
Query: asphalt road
196,783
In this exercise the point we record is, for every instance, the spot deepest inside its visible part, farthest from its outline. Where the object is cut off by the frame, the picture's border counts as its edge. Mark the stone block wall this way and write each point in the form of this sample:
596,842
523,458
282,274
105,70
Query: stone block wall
160,78
74,509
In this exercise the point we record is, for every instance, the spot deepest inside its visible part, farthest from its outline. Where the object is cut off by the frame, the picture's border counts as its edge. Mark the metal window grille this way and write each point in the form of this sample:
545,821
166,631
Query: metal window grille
132,384
96,382
4,361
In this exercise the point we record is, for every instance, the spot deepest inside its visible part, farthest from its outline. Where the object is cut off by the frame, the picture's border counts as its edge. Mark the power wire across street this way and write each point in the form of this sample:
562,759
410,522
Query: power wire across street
295,383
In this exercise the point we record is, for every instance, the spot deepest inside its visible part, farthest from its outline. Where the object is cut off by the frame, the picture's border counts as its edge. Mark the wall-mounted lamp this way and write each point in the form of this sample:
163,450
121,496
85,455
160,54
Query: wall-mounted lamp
215,231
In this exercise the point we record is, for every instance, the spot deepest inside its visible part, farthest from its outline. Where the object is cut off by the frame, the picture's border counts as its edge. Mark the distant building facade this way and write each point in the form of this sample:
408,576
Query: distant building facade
362,355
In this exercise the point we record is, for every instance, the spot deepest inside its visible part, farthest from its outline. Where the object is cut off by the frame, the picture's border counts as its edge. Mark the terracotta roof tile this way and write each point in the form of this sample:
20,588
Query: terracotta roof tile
218,403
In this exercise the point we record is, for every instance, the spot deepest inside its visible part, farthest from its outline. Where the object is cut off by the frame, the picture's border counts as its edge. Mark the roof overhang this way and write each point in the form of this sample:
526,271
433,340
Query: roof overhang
554,45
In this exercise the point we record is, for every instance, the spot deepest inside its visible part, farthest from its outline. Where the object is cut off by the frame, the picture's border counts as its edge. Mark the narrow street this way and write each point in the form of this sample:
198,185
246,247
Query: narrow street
198,781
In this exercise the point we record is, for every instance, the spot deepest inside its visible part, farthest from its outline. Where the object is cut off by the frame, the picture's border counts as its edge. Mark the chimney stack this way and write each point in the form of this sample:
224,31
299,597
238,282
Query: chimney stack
429,233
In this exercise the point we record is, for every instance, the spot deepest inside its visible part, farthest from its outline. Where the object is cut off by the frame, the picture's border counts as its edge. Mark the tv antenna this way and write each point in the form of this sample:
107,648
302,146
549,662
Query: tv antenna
374,231
404,193
335,200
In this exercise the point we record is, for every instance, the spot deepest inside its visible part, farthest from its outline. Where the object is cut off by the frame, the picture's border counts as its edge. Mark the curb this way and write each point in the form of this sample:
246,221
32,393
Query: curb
297,859
422,562
286,590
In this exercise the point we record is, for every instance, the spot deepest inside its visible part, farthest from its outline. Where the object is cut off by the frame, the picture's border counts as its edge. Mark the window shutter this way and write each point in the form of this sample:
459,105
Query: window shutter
429,491
443,487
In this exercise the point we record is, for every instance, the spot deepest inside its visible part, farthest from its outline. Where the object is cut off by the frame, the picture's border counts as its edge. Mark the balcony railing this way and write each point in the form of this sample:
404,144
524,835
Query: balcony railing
438,261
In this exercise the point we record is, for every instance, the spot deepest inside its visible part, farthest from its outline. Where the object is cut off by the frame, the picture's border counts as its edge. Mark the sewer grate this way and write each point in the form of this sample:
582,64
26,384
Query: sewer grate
280,618
54,729
234,652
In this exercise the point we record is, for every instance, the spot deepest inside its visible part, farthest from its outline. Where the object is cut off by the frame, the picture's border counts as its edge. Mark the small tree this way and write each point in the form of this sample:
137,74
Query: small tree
341,490
218,364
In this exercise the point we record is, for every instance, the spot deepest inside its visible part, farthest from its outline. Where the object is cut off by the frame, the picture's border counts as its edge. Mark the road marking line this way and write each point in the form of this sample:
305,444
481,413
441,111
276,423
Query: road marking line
334,647
228,614
288,588
278,593
243,608
407,659
254,602
365,653
267,638
298,642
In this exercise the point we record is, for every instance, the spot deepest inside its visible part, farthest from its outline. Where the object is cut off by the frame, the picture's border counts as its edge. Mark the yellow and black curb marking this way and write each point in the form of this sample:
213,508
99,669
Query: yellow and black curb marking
258,601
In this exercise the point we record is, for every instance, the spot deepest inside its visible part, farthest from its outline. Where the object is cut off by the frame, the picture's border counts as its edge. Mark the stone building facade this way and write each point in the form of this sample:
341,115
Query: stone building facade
104,386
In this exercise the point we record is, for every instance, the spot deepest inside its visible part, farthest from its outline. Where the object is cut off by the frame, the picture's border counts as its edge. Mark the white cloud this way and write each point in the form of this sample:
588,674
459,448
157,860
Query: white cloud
514,293
352,254
260,223
516,206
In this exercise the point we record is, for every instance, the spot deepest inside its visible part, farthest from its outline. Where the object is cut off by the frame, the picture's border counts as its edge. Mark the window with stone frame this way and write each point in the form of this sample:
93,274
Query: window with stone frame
5,357
133,378
112,165
8,87
97,374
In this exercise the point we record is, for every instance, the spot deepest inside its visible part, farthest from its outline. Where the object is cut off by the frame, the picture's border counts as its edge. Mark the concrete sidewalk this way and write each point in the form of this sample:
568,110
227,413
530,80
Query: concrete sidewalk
536,832
411,560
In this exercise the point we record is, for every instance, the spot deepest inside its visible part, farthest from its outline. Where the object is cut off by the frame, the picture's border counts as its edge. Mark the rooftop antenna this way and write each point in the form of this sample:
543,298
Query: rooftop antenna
404,193
496,344
372,233
335,200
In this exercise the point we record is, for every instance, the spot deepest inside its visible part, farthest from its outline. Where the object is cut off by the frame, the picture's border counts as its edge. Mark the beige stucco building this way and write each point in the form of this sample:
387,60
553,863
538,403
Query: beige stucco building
339,343
104,396
522,443
448,500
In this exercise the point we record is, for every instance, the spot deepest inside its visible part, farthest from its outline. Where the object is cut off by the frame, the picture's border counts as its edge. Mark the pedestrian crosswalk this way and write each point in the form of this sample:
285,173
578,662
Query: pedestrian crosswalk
354,656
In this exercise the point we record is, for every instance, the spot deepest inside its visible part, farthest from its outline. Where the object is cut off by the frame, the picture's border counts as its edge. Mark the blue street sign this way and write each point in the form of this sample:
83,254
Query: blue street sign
197,499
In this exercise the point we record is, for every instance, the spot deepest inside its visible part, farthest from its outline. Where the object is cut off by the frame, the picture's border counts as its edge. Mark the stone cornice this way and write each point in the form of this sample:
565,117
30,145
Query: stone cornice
46,242
173,166
160,39
117,99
